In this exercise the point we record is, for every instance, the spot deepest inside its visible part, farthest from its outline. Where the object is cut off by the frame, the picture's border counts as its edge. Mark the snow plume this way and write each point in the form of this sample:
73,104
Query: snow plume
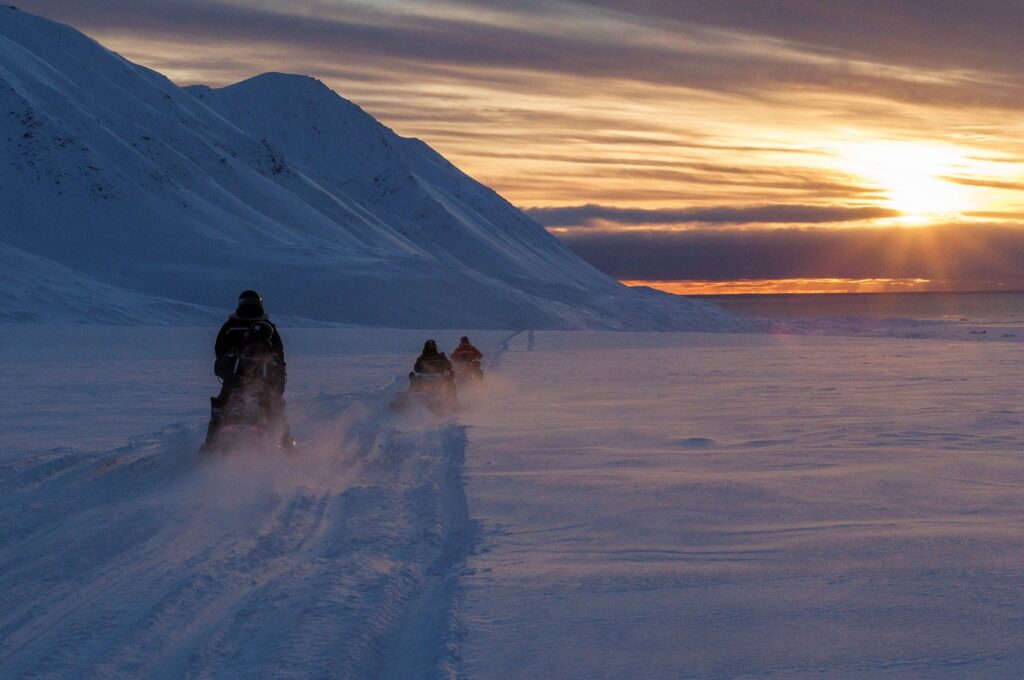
342,559
153,560
337,433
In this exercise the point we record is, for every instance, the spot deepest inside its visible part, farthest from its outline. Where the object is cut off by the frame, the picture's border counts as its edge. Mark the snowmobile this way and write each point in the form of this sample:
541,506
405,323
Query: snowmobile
245,419
250,410
434,391
468,372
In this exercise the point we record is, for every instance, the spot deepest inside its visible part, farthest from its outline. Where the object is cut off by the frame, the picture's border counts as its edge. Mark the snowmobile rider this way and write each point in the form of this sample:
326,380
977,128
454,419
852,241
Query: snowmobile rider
249,311
465,353
432,361
247,325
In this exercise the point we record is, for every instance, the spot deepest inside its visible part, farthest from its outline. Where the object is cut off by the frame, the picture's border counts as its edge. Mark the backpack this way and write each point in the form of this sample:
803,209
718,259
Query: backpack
252,358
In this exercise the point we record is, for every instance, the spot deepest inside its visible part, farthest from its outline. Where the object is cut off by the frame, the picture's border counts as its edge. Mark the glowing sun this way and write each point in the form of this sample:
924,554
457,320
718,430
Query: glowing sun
911,176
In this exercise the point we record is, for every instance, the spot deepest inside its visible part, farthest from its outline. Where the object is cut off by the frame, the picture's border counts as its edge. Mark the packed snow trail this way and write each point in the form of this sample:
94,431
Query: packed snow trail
150,561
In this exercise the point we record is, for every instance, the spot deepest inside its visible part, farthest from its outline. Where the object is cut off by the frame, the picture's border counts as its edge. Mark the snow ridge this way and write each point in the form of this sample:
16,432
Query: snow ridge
191,194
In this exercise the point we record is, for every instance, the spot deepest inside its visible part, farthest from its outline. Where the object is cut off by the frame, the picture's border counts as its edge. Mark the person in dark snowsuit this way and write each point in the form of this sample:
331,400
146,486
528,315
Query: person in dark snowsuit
246,328
432,375
466,352
431,360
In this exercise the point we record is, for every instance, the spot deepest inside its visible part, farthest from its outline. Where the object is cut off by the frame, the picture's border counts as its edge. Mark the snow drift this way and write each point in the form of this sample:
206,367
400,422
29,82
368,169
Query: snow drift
159,197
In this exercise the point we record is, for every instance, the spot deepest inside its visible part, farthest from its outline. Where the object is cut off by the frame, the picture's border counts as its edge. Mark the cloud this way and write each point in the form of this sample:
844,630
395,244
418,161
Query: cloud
590,214
986,183
917,33
955,252
775,51
647,103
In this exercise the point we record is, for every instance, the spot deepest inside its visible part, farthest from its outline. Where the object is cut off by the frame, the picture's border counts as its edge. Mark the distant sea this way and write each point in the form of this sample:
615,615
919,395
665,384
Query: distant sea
994,307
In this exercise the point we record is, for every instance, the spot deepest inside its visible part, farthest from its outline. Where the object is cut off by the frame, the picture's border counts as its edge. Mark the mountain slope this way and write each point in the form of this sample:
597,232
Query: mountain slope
276,183
41,291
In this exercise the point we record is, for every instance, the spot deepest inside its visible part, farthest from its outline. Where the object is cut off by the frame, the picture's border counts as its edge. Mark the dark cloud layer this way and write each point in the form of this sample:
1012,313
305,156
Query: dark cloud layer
959,253
954,34
590,214
935,34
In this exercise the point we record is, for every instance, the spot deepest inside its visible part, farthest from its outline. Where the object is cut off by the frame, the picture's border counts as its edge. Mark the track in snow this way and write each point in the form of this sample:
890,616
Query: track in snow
148,561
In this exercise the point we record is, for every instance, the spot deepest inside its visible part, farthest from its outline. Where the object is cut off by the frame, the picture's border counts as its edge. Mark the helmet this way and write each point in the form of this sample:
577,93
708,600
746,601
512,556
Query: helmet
430,345
250,305
464,340
249,296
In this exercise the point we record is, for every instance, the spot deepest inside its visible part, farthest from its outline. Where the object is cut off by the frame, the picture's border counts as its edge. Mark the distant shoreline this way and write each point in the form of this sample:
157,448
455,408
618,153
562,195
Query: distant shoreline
701,296
993,306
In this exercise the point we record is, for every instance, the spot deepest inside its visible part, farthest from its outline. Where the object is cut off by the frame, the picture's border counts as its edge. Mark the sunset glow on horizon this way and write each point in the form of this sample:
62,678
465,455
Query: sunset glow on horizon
786,286
611,125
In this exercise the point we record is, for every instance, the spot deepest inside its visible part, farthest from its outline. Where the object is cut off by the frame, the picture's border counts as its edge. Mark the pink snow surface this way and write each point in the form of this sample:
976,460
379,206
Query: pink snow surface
724,506
608,505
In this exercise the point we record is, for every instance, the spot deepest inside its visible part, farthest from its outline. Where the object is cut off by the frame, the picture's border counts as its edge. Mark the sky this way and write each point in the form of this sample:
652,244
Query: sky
695,145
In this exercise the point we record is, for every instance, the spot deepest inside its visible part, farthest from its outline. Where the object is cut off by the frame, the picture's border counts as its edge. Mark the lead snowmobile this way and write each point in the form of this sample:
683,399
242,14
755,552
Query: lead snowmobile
250,409
246,419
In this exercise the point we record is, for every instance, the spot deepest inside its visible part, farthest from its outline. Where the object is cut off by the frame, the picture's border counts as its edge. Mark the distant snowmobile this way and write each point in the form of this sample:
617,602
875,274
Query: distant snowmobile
468,371
431,384
435,392
466,360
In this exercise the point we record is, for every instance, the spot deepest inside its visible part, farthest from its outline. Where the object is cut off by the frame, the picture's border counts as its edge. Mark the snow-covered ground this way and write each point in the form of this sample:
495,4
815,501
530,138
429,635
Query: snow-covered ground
749,506
144,560
613,505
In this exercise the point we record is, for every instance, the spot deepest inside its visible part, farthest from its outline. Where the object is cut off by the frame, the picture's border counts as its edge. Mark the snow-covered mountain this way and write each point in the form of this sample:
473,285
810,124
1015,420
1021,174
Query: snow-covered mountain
122,191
